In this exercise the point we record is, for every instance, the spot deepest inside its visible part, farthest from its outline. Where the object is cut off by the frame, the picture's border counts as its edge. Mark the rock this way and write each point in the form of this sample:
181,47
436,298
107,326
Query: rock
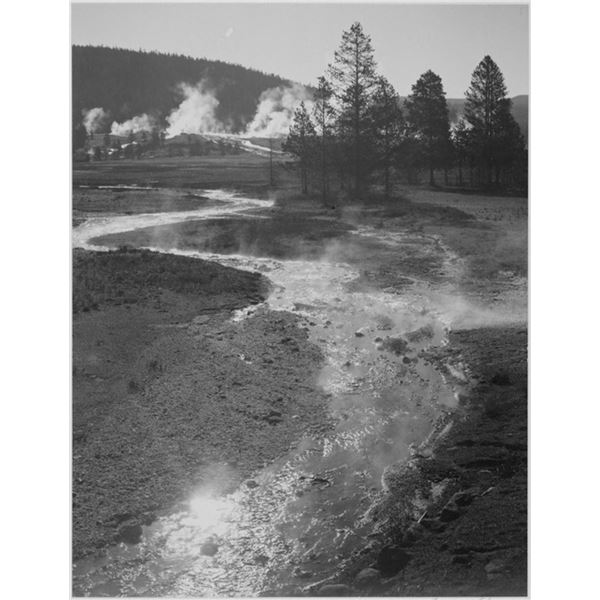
392,560
496,565
462,498
449,513
396,345
131,534
334,589
367,577
301,574
273,417
420,334
359,334
209,548
251,484
424,453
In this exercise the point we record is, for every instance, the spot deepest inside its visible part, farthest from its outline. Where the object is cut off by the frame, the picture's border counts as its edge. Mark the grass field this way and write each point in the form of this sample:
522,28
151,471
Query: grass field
181,172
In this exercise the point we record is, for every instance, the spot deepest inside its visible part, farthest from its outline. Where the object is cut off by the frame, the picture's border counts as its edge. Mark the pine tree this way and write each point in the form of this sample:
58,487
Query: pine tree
428,119
324,115
460,137
301,142
353,74
487,109
510,151
389,127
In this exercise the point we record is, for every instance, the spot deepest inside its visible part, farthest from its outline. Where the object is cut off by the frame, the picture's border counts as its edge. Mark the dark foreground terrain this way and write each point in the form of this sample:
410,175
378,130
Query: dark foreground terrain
454,519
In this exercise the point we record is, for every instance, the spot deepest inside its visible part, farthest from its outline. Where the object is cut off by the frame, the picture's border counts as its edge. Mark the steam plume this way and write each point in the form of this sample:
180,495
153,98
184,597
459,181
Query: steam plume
196,113
134,125
275,110
93,119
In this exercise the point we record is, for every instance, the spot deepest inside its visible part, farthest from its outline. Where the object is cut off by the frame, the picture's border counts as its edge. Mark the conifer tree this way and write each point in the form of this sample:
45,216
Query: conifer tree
389,127
324,115
428,119
460,137
487,110
353,74
301,142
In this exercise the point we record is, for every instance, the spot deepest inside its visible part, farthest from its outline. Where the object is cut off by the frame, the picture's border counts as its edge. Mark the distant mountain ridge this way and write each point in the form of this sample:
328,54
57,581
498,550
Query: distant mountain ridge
519,109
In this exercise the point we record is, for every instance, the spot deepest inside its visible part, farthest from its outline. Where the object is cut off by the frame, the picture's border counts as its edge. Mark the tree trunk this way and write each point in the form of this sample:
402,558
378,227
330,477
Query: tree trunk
387,181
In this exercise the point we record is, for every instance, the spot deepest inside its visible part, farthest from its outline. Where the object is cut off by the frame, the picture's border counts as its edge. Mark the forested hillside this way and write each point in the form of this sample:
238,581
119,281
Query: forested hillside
127,83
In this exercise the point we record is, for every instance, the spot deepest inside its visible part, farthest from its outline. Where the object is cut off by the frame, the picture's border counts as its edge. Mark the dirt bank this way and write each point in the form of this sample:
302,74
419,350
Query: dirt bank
160,374
453,520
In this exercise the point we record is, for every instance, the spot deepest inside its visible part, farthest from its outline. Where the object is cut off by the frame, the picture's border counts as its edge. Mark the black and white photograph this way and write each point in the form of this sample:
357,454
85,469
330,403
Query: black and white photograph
299,262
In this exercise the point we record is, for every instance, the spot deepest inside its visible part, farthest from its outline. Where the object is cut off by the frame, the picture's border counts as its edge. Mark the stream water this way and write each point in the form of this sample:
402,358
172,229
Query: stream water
306,513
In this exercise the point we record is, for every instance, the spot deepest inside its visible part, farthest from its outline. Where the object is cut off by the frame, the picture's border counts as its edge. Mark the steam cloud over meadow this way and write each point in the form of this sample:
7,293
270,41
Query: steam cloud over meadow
137,124
93,119
275,110
197,114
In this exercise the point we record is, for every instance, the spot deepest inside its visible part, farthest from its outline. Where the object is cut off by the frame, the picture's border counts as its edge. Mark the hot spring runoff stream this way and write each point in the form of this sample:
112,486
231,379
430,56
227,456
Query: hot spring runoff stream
310,508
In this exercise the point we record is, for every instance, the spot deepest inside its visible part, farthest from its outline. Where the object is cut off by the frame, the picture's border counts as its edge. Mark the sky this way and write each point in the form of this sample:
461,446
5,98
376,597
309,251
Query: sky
297,41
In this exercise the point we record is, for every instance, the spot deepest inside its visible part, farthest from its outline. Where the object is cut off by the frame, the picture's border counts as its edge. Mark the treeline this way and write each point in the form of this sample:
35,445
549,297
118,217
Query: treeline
359,132
127,83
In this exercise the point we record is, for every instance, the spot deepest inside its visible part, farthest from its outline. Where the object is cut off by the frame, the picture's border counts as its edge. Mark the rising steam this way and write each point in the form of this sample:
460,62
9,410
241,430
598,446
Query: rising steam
275,110
196,113
137,124
93,119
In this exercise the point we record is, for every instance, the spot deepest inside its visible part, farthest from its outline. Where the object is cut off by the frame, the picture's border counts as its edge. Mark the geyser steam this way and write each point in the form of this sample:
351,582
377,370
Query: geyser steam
137,124
93,119
275,110
196,113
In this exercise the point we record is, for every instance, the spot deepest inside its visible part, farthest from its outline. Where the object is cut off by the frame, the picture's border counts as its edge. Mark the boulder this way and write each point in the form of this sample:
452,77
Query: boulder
495,566
391,560
209,548
131,534
367,577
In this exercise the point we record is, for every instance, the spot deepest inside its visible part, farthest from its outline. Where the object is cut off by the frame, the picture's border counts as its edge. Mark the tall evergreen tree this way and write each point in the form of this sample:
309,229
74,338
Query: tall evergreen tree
389,127
460,137
487,109
301,142
428,119
354,78
324,115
